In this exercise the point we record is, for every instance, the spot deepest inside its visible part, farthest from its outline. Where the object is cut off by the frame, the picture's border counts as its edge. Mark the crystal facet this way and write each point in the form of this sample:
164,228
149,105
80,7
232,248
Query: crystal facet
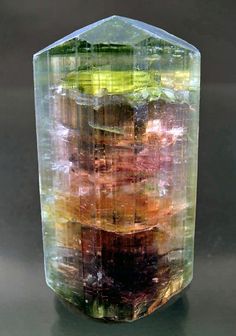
117,128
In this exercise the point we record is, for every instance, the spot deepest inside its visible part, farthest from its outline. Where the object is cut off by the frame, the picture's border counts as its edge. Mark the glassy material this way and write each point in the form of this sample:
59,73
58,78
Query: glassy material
117,128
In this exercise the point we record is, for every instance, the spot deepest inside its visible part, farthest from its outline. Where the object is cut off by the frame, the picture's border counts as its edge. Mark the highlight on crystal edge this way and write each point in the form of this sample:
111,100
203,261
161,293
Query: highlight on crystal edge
117,130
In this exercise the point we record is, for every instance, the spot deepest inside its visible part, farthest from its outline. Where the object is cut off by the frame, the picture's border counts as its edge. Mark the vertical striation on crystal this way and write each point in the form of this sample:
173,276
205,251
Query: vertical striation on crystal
117,128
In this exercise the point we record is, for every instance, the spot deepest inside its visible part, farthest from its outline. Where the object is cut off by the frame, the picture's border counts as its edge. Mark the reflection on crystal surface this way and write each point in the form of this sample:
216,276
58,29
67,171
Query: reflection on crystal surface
117,126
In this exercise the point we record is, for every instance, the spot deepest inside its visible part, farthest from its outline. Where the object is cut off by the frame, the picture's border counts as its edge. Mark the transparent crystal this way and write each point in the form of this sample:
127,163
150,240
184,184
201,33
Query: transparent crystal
117,128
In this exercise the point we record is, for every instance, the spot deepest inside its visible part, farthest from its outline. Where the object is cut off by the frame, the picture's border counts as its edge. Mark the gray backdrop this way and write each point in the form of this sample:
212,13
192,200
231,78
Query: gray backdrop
27,306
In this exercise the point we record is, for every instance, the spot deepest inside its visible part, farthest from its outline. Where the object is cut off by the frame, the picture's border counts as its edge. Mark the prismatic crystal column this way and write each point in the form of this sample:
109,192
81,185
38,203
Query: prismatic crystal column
117,128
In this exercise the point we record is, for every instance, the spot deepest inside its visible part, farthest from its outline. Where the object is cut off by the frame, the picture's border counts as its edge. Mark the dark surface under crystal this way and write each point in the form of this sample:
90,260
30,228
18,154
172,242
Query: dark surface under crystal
27,304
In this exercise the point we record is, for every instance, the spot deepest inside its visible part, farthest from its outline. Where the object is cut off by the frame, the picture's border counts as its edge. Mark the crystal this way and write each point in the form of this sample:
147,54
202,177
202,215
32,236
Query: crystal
117,130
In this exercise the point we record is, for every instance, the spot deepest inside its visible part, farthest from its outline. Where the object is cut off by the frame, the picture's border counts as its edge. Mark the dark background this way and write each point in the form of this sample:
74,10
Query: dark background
27,306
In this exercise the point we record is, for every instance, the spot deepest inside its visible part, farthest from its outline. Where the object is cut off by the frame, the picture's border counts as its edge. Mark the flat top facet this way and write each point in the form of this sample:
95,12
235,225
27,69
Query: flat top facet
120,30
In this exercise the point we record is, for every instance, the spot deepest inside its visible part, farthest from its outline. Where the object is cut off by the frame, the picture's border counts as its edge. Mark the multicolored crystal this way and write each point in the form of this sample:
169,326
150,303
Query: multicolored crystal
117,128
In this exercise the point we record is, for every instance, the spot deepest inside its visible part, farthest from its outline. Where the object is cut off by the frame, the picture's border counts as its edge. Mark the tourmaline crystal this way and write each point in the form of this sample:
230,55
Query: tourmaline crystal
117,127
